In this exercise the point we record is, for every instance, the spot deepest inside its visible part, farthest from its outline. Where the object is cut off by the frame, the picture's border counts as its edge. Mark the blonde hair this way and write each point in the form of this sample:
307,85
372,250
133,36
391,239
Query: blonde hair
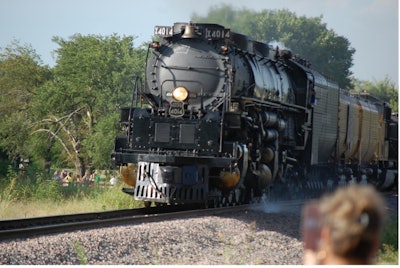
354,215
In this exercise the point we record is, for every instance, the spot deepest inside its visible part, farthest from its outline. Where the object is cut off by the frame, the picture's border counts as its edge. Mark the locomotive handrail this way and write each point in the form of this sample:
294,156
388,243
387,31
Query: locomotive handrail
176,67
134,96
280,105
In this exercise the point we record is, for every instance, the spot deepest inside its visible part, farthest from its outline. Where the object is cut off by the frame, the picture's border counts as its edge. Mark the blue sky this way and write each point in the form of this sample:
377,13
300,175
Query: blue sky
370,25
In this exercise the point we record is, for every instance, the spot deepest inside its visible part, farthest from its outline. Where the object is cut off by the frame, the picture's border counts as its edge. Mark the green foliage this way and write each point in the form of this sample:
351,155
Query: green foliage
113,198
30,185
4,163
80,252
309,38
8,192
389,250
386,90
21,75
101,142
20,191
96,69
66,115
94,75
13,139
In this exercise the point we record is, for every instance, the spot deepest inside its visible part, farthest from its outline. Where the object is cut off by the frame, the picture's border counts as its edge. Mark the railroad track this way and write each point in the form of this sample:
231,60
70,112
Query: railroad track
23,228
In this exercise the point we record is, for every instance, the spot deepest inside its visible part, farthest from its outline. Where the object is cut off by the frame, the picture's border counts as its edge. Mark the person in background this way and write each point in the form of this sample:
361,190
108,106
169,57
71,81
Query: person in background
97,177
56,175
78,180
86,178
63,174
91,180
344,227
69,179
113,181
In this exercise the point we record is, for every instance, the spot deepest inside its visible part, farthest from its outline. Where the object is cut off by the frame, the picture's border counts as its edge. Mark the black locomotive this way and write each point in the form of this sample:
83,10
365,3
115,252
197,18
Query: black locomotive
224,118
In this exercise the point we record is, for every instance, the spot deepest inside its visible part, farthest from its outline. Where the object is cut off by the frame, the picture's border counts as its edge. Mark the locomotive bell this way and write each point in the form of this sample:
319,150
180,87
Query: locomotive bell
189,32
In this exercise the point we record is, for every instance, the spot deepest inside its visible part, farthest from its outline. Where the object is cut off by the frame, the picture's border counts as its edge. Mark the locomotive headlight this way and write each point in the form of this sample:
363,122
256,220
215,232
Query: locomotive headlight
155,45
224,49
180,93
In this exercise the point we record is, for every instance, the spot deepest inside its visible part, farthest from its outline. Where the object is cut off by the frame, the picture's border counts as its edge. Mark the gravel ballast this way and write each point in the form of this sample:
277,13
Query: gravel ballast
265,234
257,236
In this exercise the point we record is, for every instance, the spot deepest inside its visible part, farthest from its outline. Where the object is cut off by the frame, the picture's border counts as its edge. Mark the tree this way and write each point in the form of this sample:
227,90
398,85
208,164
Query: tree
93,76
308,38
21,75
385,90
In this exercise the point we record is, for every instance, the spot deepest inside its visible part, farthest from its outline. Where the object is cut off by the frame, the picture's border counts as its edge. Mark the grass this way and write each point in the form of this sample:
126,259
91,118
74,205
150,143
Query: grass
389,249
23,197
105,199
80,252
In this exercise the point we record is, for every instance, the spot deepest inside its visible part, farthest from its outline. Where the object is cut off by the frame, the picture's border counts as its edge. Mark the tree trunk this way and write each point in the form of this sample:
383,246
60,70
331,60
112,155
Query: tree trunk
79,166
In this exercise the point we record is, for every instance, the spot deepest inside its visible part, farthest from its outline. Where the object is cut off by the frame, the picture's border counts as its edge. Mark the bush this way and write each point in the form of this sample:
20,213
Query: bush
33,194
4,163
389,250
8,191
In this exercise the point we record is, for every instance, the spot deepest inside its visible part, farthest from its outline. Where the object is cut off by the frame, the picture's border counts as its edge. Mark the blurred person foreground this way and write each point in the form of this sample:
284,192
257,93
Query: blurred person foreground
344,227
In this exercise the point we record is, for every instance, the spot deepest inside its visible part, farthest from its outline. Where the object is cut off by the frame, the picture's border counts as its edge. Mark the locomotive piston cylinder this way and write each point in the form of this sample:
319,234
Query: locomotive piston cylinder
281,125
269,119
271,135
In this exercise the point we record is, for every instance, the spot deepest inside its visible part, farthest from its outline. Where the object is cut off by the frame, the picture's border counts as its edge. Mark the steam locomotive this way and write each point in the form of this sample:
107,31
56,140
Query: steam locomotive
225,119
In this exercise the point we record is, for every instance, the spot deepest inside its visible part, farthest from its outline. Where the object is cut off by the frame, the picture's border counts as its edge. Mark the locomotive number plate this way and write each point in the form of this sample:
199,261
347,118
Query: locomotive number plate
176,109
217,33
163,31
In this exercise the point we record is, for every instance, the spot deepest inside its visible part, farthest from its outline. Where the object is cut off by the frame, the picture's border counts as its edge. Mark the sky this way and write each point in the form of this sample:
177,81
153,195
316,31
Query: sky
371,26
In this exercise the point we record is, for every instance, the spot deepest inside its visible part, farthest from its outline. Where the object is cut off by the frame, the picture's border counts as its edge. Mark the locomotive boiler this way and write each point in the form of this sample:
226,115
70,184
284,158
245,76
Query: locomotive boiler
226,119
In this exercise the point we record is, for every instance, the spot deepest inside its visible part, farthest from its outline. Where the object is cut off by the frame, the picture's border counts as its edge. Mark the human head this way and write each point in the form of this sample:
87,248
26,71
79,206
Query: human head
352,220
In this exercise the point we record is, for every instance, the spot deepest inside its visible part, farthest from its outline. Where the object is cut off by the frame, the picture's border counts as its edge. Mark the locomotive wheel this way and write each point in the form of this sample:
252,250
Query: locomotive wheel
239,194
218,202
247,196
224,201
231,198
251,196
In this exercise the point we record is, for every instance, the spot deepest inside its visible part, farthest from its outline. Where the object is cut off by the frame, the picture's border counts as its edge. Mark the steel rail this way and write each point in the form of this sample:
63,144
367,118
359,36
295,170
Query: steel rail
23,228
27,227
